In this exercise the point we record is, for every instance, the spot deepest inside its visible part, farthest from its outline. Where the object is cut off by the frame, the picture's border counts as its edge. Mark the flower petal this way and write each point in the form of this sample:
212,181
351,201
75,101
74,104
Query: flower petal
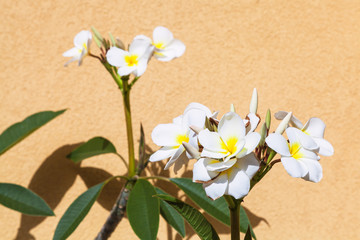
294,167
220,166
125,70
280,115
231,125
195,114
306,141
141,68
254,122
177,154
181,161
212,143
82,38
251,141
177,46
166,134
139,47
239,184
249,164
200,173
162,153
72,52
315,170
162,35
116,57
165,55
325,148
278,143
217,187
315,127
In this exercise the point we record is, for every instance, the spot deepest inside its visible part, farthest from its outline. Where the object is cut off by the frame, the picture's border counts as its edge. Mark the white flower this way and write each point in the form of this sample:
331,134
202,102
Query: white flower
133,61
234,181
166,46
297,160
225,158
315,128
196,113
229,141
170,137
82,43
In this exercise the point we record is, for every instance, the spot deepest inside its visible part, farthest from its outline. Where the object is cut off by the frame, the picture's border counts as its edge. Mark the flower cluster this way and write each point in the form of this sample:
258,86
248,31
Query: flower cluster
230,153
163,47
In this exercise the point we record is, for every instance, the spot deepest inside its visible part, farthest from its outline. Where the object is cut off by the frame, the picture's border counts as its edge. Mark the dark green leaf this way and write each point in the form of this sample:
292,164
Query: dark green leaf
77,211
248,234
93,147
20,130
217,208
23,200
196,220
171,215
143,210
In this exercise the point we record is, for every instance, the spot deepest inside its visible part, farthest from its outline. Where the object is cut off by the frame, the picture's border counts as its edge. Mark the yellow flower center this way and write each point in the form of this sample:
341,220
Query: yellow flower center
230,145
159,45
294,150
182,138
131,60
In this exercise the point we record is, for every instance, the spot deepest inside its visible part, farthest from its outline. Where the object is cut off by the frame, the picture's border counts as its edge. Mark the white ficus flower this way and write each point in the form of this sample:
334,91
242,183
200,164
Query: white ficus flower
82,43
133,61
299,161
234,181
166,46
170,137
315,128
229,141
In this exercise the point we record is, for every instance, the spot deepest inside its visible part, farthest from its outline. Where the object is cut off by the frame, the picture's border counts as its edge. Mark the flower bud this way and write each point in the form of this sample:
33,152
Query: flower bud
268,119
284,124
254,102
263,134
232,108
191,150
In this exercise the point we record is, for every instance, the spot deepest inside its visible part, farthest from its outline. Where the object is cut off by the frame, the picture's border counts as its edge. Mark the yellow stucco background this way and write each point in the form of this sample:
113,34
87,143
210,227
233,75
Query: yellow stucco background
302,56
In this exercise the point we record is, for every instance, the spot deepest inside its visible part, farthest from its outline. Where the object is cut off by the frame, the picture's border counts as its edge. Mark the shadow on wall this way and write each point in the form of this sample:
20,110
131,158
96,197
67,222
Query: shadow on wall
52,184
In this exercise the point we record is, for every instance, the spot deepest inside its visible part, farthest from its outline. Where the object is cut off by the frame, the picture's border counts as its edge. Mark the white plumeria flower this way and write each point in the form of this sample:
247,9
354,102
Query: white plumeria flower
234,181
195,115
315,128
170,137
166,46
296,159
133,61
82,43
228,142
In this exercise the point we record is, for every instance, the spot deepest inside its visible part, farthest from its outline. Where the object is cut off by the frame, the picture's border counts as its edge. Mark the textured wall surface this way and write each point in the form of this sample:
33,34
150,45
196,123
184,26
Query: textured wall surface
302,56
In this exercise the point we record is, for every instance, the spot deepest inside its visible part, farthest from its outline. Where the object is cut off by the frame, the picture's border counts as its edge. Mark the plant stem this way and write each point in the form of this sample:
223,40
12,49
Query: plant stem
234,207
129,131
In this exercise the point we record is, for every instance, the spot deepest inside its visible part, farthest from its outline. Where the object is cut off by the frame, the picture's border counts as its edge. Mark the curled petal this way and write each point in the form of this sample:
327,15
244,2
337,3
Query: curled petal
278,143
211,142
294,121
315,170
177,154
201,173
296,135
82,38
220,166
254,122
249,164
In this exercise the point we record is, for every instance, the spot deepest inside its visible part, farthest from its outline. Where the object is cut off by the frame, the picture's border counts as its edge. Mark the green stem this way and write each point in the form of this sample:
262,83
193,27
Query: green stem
129,131
234,207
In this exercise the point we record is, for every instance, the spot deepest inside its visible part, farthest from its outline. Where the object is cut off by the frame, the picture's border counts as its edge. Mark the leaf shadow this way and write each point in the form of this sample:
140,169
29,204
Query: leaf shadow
51,181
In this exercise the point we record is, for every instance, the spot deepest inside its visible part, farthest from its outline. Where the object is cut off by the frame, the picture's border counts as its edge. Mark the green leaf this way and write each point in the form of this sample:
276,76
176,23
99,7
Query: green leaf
217,208
248,234
143,210
171,215
196,220
93,147
112,39
20,130
23,200
77,211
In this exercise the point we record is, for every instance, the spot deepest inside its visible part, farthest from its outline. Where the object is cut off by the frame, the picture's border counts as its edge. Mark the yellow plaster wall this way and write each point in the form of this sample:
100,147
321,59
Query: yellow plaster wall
302,56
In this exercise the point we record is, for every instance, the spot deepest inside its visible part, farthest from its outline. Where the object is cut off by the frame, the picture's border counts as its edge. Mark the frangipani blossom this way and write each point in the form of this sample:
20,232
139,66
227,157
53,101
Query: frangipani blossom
234,181
296,159
133,61
170,137
229,141
82,43
315,128
166,46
